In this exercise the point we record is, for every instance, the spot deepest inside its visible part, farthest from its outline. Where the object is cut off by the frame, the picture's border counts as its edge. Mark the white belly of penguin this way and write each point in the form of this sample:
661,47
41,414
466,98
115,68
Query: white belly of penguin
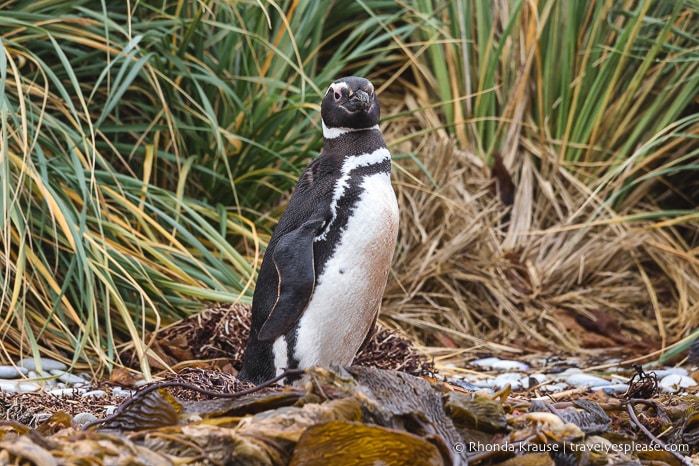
348,294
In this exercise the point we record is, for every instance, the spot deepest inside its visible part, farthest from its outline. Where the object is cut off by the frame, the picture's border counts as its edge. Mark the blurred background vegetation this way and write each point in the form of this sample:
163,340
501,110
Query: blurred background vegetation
147,149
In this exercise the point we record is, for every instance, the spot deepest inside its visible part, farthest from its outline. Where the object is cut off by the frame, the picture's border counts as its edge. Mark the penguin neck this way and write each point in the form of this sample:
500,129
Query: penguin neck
345,142
334,133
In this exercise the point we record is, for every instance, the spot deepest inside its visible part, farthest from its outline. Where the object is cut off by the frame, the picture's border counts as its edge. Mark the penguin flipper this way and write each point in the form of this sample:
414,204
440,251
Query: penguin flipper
294,262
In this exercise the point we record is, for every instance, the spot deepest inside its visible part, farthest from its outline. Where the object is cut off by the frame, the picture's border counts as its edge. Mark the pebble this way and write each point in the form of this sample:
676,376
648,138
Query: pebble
569,371
508,378
465,385
12,372
14,386
66,391
510,365
94,394
674,382
122,392
532,380
615,382
109,410
68,378
585,380
553,388
47,364
486,363
500,364
616,388
81,419
662,373
32,374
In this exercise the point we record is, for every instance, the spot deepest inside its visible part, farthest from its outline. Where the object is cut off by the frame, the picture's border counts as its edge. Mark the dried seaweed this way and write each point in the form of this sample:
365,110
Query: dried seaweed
220,332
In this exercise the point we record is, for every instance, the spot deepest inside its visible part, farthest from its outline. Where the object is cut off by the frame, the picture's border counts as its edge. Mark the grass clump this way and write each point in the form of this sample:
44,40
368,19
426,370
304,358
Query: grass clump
593,110
147,150
143,147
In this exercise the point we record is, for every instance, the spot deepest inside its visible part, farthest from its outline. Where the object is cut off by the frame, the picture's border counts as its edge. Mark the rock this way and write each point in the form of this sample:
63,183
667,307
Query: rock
94,394
569,371
585,380
506,365
67,391
109,410
554,388
486,363
47,364
12,372
508,378
14,386
68,378
122,393
81,419
45,376
500,364
617,388
662,373
466,385
532,380
674,382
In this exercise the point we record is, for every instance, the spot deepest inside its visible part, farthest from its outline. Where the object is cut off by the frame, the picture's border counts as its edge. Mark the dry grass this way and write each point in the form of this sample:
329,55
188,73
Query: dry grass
565,273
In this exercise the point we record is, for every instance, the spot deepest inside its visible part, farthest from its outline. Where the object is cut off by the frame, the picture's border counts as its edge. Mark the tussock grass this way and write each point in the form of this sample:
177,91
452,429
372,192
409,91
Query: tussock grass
146,151
473,275
593,109
140,148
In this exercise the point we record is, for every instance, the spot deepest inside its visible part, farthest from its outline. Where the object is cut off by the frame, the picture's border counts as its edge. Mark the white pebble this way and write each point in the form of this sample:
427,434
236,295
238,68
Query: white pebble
500,364
109,410
47,364
81,419
553,388
662,373
674,382
12,372
508,378
614,388
122,393
505,365
585,380
13,386
529,381
68,378
569,371
94,394
486,363
66,391
485,383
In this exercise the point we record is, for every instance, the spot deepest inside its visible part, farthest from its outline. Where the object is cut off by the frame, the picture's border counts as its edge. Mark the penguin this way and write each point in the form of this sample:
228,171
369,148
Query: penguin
324,272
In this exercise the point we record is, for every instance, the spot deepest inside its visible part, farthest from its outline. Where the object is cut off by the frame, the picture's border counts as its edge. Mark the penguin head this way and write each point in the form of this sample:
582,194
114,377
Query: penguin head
350,103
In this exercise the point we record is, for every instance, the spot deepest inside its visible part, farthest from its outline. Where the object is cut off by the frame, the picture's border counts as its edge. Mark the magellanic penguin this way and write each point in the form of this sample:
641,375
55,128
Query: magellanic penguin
325,269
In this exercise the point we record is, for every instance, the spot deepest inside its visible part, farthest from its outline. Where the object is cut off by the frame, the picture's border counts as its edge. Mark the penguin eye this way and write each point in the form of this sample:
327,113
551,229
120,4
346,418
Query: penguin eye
338,95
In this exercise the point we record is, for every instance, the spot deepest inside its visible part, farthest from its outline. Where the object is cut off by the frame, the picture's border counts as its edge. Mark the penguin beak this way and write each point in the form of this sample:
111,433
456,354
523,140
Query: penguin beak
359,100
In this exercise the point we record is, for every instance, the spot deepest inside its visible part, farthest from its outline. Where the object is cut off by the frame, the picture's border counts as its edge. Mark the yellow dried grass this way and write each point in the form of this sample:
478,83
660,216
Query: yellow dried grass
463,283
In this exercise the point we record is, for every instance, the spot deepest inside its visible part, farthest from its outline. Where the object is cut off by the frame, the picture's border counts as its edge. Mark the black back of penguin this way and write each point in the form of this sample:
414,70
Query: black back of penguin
326,265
